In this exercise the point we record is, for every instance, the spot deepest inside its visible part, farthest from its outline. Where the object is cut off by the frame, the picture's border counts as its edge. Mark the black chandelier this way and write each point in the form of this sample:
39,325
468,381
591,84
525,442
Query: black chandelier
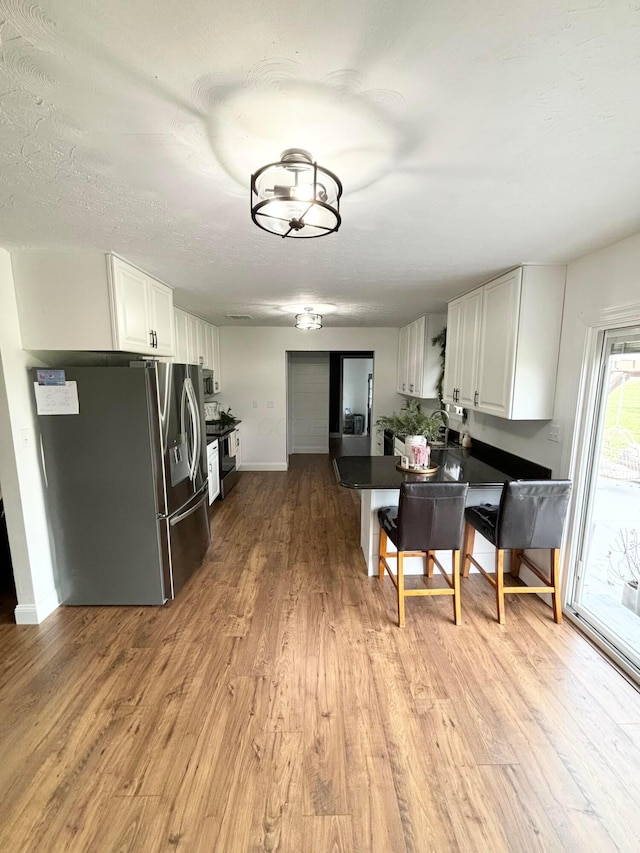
295,197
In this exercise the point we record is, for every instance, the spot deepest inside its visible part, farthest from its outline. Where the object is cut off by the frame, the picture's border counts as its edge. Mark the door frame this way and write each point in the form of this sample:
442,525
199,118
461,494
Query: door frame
581,452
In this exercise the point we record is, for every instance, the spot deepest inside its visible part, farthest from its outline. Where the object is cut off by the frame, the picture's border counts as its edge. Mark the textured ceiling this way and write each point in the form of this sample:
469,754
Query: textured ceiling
470,137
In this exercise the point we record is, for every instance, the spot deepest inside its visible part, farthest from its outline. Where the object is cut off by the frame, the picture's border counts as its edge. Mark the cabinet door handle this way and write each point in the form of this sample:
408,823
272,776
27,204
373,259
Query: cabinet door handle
151,344
410,387
475,399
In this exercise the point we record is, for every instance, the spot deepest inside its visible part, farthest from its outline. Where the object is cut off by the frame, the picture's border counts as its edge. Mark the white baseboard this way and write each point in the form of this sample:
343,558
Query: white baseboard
34,614
264,466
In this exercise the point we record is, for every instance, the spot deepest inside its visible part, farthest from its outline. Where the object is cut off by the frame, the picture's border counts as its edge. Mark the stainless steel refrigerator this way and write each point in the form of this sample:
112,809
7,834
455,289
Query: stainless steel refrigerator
126,483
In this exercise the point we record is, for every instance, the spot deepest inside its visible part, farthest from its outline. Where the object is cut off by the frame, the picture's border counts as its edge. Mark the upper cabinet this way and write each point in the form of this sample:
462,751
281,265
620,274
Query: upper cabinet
463,336
91,301
502,344
418,358
197,342
142,310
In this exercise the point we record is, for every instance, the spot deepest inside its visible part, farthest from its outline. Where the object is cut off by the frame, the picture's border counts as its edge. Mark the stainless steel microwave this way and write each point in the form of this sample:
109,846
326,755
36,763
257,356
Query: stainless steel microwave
208,385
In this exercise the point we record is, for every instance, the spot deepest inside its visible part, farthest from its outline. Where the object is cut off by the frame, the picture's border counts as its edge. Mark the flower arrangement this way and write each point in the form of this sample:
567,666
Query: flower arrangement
411,421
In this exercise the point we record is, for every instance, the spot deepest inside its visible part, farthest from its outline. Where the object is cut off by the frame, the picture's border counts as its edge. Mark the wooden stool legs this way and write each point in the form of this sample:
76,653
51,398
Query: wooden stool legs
431,560
518,557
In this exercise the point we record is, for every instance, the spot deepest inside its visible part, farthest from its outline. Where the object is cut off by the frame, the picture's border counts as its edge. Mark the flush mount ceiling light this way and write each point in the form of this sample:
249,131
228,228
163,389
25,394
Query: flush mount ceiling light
296,197
308,320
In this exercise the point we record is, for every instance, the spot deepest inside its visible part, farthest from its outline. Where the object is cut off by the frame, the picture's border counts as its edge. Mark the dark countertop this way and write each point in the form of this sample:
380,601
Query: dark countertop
380,472
215,430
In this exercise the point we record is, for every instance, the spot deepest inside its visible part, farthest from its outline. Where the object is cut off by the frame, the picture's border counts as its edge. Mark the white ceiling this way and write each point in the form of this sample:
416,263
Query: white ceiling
470,137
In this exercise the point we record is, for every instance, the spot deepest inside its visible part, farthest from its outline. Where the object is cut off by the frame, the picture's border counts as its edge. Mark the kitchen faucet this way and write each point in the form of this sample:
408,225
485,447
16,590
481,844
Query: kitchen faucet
445,418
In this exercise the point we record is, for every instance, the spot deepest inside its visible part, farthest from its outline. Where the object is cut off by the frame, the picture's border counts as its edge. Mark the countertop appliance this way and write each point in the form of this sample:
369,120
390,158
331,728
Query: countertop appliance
227,448
126,483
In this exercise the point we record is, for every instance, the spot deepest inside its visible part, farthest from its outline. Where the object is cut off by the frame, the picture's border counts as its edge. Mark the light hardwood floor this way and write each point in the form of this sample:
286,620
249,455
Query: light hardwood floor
275,706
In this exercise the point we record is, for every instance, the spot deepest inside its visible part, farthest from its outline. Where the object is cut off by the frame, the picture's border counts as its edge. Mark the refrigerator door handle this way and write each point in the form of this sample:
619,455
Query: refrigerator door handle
195,422
176,519
186,403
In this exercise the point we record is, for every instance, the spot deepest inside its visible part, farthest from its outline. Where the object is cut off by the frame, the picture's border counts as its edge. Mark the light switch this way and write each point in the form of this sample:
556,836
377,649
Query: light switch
255,404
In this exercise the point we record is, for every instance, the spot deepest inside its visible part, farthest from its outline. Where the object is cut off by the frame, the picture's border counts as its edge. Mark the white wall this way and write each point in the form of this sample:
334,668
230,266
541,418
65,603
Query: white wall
308,402
601,287
22,486
355,375
254,369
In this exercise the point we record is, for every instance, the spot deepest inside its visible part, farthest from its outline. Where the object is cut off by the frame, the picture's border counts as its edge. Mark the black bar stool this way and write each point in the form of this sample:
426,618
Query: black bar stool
429,517
530,515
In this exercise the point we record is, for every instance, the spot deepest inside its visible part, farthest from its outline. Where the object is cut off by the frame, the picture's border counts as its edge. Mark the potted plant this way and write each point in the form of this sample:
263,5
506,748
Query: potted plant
411,421
624,566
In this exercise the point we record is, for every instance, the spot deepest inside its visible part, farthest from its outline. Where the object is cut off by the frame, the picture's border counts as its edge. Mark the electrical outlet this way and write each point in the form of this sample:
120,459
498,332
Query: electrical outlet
255,404
553,433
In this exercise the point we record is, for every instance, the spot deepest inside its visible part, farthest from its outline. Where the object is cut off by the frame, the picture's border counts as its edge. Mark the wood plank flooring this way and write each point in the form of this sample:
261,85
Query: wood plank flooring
275,706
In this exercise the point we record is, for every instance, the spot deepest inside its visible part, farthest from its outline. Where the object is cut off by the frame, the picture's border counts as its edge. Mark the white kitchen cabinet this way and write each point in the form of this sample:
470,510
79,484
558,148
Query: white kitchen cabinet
418,358
197,342
215,355
402,385
89,301
192,339
181,336
213,470
461,363
503,341
205,344
142,310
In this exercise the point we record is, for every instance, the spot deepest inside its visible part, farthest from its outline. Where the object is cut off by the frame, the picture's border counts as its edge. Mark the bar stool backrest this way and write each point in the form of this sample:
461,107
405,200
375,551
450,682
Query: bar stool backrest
532,514
430,516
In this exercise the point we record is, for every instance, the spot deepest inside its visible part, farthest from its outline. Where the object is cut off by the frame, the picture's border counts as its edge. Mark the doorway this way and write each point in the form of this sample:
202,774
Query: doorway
329,402
606,587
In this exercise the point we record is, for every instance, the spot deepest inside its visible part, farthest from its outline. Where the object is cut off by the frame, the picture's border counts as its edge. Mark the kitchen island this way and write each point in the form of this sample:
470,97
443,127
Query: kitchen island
378,480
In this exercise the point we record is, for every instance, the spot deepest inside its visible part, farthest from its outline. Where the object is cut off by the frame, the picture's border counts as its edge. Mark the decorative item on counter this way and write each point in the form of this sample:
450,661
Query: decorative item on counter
415,447
466,439
421,455
411,421
227,418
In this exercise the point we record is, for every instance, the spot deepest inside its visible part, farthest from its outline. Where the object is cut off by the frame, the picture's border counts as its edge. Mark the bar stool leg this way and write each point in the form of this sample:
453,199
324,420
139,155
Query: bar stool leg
555,582
457,605
400,580
429,559
382,552
500,584
467,548
514,571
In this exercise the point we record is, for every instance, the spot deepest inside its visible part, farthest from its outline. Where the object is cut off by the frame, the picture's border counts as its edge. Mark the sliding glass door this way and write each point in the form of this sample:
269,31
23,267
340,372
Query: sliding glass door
606,589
